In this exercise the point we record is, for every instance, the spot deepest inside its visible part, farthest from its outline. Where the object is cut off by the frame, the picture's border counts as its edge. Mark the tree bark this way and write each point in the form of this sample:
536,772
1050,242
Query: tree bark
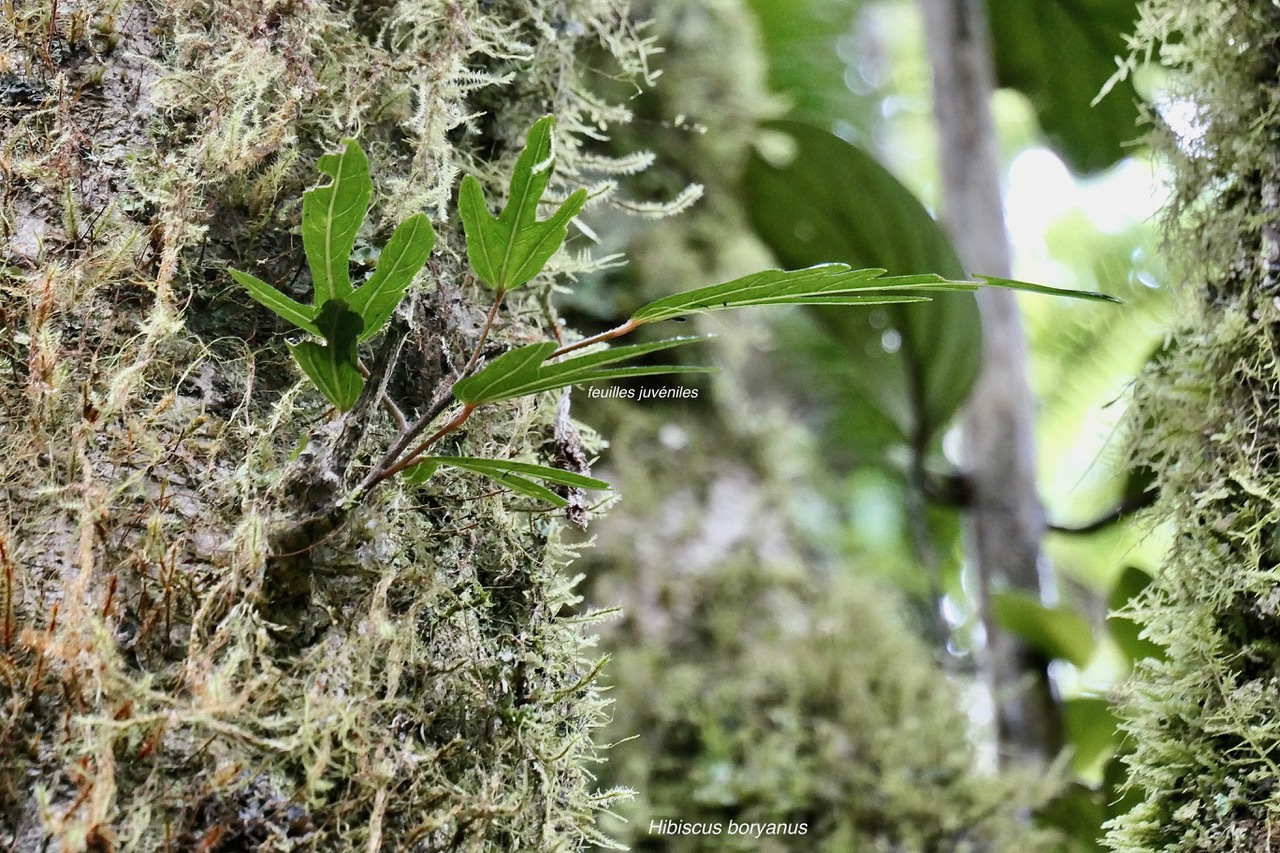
1007,520
180,668
1202,718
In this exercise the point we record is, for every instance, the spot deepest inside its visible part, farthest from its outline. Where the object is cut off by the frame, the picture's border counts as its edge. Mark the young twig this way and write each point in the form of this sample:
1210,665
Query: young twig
403,440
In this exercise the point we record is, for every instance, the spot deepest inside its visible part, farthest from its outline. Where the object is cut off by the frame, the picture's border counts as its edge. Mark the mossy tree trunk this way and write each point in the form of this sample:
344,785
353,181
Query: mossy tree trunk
179,668
1204,720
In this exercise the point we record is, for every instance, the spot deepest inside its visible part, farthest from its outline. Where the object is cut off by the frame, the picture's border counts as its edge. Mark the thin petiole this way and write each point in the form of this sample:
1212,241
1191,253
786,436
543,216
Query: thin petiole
484,333
397,415
412,456
616,332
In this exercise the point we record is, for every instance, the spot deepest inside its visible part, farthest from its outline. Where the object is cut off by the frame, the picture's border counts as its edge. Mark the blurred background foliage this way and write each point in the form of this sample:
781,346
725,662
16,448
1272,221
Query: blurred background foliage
799,638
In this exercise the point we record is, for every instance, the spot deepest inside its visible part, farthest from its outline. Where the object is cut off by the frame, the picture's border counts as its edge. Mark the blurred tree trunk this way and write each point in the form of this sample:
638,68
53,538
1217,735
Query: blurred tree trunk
1007,521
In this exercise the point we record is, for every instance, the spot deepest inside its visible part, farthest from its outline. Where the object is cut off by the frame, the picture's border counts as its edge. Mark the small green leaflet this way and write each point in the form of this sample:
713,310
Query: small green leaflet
828,284
523,371
400,261
333,366
290,309
508,250
507,473
331,218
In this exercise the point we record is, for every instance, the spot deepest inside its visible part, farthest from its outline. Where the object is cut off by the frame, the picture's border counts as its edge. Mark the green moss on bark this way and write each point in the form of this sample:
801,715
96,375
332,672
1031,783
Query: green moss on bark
178,670
1204,721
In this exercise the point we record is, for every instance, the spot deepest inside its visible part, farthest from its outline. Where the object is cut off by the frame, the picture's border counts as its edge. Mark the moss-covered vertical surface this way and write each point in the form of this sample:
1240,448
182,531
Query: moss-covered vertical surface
177,672
1205,722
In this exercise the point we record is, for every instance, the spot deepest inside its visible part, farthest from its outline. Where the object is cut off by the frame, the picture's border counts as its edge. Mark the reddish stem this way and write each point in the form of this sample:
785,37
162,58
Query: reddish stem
616,332
411,457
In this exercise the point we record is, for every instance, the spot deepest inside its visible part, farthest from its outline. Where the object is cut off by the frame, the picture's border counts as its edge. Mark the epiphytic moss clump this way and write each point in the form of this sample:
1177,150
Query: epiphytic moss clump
1204,721
171,677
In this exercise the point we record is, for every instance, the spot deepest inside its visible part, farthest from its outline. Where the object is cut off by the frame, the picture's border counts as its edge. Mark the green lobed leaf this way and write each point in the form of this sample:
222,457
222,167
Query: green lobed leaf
404,255
508,473
1056,632
331,218
334,366
824,284
490,382
508,250
523,371
290,309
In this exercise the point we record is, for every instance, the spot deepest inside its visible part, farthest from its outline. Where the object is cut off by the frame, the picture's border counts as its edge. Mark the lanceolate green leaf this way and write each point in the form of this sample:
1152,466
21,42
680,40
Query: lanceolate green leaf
828,284
290,309
331,217
782,287
333,367
509,474
508,250
490,383
401,259
1045,290
522,371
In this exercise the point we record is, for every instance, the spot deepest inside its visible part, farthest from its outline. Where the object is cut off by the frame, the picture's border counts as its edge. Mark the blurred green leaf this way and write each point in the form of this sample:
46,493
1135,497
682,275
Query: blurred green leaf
801,40
1056,632
1060,54
1092,730
509,474
1078,813
334,366
827,200
508,250
521,372
331,217
1124,630
1121,798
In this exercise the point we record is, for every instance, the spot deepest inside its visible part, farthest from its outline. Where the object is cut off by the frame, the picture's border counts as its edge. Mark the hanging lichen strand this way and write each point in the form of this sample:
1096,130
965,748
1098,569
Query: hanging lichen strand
1205,722
174,673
